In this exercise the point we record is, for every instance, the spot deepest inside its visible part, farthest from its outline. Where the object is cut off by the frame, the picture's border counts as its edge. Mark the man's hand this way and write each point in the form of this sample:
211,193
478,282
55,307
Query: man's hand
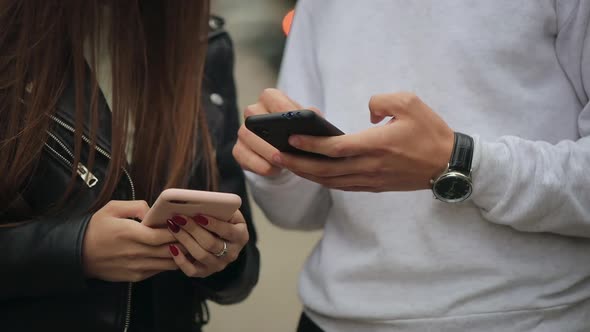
413,147
252,152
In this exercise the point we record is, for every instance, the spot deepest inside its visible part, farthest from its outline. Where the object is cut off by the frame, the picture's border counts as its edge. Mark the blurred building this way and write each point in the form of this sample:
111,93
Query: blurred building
256,26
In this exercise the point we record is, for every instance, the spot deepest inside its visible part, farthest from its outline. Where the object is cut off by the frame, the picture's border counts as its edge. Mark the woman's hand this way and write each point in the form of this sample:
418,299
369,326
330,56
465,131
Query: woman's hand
117,248
210,244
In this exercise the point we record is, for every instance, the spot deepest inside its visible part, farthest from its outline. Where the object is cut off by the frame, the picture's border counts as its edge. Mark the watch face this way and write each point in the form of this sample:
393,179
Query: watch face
452,187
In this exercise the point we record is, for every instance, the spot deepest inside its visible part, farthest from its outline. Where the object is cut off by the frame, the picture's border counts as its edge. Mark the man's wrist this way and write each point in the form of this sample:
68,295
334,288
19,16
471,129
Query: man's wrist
443,158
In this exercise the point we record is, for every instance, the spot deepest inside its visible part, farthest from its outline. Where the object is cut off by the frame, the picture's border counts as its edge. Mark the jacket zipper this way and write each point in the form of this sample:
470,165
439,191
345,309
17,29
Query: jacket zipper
90,179
97,148
82,169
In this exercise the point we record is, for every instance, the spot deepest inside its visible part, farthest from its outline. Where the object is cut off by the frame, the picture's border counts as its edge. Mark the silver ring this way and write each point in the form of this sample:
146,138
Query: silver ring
223,251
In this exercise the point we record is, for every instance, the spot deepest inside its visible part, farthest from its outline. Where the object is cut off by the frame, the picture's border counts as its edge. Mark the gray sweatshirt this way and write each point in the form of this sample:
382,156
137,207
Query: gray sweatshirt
514,257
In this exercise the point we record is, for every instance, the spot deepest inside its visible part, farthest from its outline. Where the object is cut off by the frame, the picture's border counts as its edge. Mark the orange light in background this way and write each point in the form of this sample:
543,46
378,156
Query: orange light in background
287,21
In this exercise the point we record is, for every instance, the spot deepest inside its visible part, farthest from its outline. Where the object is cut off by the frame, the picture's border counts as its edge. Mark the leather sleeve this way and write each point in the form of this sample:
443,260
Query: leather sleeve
42,257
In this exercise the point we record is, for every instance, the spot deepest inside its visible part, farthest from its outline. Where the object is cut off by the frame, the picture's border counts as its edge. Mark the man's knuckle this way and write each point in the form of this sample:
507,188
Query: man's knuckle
372,100
377,166
242,132
244,135
323,171
265,94
248,111
269,91
373,179
410,99
235,151
266,169
339,149
377,184
324,182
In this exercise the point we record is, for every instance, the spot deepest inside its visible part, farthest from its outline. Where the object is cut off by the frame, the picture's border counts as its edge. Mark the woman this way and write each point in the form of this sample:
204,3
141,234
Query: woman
103,104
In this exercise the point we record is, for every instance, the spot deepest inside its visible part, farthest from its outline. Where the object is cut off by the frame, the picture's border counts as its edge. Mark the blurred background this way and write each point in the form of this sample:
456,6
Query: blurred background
257,32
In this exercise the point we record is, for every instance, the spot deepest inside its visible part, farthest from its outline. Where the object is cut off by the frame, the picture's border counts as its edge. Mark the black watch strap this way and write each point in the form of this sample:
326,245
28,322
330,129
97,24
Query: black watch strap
462,154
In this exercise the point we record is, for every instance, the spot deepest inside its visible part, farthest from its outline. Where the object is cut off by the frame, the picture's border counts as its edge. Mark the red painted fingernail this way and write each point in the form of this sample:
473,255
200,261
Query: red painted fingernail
201,220
173,227
173,250
180,221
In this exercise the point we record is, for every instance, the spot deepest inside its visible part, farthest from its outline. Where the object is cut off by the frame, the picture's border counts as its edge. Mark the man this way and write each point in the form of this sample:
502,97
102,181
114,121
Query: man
482,217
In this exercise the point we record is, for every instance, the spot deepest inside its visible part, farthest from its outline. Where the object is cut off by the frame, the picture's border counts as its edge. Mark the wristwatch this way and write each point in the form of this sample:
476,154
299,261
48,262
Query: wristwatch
454,184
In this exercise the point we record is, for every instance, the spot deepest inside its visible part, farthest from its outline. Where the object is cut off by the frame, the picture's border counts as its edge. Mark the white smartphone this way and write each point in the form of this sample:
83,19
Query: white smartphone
189,203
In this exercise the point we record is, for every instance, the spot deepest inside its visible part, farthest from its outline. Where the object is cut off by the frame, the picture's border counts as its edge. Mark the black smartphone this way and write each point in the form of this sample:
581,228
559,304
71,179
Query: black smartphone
275,128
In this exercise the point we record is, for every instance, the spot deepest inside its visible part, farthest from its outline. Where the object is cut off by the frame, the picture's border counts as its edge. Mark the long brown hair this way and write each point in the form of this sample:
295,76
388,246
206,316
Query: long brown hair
157,49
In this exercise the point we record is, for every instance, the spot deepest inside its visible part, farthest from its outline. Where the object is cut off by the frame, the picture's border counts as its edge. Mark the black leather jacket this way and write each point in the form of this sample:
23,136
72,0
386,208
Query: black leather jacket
42,285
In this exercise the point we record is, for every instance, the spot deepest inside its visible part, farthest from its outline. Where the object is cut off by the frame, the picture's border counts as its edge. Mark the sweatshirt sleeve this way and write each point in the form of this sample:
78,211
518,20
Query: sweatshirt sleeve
536,186
288,200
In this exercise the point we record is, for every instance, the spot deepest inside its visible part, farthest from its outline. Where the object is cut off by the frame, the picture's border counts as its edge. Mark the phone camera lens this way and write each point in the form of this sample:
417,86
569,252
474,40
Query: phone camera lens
290,115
